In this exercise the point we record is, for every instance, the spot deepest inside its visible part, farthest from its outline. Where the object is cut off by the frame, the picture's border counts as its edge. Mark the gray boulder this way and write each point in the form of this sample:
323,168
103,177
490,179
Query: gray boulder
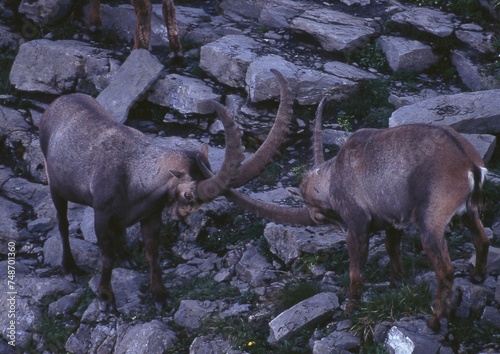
192,312
144,338
473,75
308,86
335,31
288,242
61,67
133,79
253,268
8,226
184,94
87,255
45,12
477,39
468,112
407,55
428,20
228,58
304,313
337,342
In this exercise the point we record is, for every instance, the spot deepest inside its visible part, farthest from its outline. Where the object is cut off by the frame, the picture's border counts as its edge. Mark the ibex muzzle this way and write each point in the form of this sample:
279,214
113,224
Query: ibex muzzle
389,178
127,178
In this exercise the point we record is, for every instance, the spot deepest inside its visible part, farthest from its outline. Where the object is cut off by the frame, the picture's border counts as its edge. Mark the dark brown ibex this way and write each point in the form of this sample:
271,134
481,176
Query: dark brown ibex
127,178
388,178
143,10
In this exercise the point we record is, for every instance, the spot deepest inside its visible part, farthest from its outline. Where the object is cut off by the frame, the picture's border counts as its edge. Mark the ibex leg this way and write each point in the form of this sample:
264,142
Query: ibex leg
481,243
393,247
357,245
168,9
150,229
105,237
436,248
143,10
94,15
68,262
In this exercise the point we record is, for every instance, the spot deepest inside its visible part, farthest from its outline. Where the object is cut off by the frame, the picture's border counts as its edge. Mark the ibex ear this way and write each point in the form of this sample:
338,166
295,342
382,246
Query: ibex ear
204,150
295,192
176,174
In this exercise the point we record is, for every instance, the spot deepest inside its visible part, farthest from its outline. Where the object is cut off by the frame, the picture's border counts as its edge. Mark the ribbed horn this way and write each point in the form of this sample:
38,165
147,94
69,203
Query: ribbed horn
317,140
271,212
212,187
252,167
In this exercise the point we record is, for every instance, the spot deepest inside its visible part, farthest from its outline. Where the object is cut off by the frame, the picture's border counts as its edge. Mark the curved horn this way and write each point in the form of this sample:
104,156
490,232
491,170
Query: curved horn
277,136
213,186
319,156
271,212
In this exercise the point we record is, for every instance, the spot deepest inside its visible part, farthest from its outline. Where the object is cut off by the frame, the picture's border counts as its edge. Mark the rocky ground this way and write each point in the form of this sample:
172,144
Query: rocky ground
238,284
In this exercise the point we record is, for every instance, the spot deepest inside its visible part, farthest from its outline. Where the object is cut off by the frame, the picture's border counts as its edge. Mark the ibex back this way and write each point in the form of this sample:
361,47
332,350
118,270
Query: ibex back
388,178
126,177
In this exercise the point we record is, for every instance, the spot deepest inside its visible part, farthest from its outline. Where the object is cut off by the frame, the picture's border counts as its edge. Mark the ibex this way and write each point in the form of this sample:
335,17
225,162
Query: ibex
127,178
143,9
389,178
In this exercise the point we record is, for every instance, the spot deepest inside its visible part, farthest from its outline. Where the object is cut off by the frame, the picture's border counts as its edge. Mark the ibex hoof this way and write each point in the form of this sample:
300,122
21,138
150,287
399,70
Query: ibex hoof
107,306
477,278
434,324
73,273
106,300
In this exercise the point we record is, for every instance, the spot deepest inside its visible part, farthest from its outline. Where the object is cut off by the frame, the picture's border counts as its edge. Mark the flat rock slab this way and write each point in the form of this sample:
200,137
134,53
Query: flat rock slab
427,20
468,112
150,337
304,313
133,79
406,54
335,31
473,75
228,58
184,94
288,242
308,86
58,67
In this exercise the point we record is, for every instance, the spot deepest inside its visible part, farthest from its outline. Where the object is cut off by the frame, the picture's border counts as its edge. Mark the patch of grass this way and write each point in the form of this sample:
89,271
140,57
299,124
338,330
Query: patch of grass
368,108
270,174
390,304
251,338
298,174
335,260
201,288
371,56
231,228
467,331
54,334
6,61
345,121
295,292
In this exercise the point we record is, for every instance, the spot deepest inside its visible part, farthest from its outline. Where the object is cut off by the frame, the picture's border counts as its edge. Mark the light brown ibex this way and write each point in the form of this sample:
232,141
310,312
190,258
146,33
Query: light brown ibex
143,10
127,178
388,178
